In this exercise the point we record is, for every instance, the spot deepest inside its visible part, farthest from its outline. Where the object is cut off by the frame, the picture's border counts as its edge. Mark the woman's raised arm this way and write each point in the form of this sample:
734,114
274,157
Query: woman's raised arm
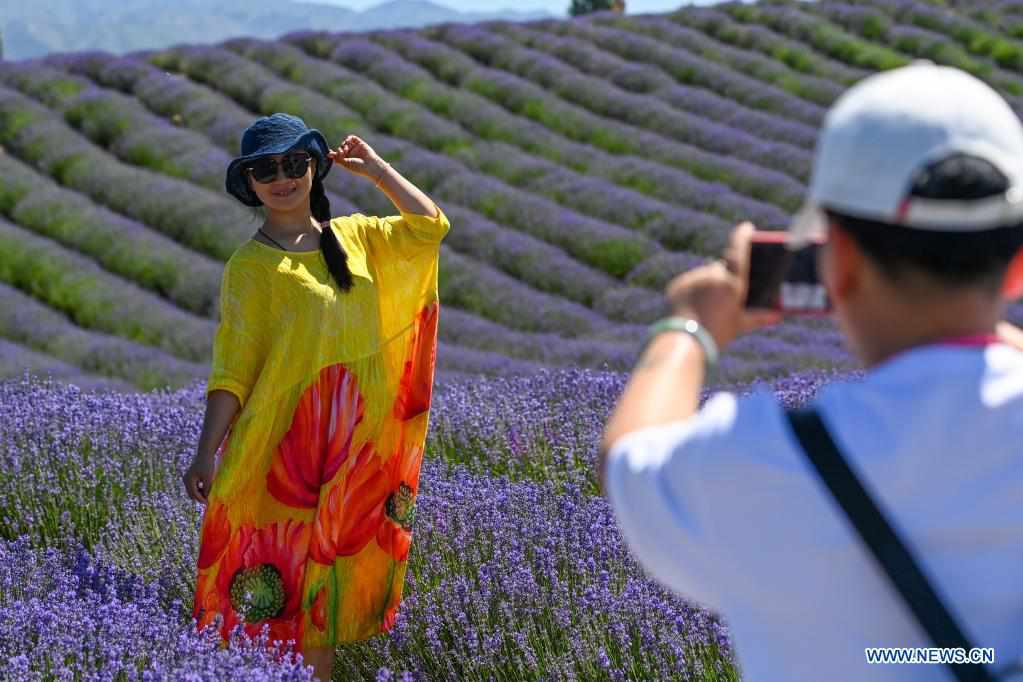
358,157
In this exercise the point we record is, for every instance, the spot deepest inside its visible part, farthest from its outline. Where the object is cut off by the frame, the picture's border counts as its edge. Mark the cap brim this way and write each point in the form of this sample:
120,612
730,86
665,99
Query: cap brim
809,224
973,215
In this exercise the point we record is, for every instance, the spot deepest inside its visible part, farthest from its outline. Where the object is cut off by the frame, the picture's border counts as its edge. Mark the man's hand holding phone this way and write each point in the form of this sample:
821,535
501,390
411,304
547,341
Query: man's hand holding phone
715,294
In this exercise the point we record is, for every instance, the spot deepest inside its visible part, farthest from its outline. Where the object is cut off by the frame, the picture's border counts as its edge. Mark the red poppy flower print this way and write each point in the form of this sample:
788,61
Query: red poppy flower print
216,531
260,580
318,612
390,617
395,533
215,539
207,601
319,440
210,595
416,386
352,511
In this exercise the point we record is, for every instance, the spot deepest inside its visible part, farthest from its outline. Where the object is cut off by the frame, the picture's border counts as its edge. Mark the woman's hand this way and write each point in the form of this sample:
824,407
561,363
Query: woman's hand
355,156
199,477
358,157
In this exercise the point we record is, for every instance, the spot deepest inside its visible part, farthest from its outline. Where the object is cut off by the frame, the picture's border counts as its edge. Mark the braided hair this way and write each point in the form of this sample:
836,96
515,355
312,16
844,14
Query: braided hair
333,254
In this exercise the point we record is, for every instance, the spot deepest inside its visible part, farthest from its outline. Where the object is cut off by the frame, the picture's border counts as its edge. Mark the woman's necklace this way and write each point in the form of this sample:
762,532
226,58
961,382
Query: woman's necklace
271,239
322,225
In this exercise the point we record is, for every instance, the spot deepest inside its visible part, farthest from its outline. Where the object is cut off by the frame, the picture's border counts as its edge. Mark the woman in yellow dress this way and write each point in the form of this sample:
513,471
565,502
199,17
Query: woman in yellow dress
318,399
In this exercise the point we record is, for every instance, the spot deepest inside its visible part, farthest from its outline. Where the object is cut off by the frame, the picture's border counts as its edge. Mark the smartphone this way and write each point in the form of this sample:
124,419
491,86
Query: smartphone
784,279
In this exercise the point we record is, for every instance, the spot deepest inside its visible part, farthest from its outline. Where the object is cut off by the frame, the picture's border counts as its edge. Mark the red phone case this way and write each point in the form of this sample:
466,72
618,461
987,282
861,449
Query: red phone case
781,237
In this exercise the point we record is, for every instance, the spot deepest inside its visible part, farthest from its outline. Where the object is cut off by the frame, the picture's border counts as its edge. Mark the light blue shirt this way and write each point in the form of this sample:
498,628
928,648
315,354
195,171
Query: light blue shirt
725,509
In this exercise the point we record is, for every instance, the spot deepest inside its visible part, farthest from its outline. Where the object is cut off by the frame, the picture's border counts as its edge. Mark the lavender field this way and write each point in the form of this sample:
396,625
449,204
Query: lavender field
583,163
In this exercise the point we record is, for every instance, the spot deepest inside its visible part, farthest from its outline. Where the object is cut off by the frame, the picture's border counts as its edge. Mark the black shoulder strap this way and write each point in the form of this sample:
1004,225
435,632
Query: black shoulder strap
886,546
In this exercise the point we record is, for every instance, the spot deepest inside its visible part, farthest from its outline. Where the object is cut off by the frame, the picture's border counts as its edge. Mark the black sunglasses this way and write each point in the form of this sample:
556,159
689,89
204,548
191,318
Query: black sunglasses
264,170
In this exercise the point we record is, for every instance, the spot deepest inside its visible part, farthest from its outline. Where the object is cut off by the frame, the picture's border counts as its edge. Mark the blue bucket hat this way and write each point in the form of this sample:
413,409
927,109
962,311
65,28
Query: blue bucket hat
272,135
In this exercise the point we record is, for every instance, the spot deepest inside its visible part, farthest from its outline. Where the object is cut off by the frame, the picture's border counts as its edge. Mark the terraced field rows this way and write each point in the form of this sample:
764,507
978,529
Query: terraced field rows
583,163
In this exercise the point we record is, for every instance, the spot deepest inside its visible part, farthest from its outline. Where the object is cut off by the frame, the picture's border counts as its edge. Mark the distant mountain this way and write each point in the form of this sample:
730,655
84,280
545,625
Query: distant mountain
32,29
407,13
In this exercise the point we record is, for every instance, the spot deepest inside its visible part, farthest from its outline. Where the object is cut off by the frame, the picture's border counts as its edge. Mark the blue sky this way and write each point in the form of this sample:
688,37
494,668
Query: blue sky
552,6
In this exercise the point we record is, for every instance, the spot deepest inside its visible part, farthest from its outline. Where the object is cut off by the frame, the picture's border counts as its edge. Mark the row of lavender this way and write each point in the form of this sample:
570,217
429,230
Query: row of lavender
874,34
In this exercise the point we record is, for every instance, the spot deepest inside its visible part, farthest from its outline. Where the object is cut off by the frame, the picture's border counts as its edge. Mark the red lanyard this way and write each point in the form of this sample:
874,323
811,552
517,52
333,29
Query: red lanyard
971,340
965,341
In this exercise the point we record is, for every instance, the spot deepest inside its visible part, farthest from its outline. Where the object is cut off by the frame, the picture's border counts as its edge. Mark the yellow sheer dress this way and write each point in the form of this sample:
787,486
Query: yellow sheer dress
310,515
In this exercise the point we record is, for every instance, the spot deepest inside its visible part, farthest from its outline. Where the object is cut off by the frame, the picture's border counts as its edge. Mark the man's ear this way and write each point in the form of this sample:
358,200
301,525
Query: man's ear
1012,285
844,262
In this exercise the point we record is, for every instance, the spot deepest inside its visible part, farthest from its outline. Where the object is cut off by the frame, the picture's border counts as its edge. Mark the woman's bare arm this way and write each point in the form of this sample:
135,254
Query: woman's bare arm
403,194
221,409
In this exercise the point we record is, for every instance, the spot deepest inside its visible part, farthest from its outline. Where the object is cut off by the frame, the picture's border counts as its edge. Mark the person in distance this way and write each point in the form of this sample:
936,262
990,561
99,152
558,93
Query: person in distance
917,187
318,399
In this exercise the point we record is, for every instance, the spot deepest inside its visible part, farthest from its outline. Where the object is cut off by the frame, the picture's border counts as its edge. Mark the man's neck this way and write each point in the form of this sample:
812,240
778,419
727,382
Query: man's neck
900,325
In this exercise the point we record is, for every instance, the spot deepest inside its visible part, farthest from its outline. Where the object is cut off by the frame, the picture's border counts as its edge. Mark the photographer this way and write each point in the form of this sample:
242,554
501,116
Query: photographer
917,188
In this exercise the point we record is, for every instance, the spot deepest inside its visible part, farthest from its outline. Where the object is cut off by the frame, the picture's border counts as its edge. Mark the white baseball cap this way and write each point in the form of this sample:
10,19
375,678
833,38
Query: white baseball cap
887,127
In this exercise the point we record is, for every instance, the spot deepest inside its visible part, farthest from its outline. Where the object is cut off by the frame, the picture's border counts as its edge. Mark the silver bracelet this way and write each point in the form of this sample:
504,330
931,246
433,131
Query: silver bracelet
694,329
386,167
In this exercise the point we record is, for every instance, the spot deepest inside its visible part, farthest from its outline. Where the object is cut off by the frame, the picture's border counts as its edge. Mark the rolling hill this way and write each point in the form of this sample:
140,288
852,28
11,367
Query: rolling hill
35,29
582,162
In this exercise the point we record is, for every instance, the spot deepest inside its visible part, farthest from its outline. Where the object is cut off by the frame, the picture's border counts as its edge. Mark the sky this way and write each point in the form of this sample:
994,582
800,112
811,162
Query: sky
552,6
